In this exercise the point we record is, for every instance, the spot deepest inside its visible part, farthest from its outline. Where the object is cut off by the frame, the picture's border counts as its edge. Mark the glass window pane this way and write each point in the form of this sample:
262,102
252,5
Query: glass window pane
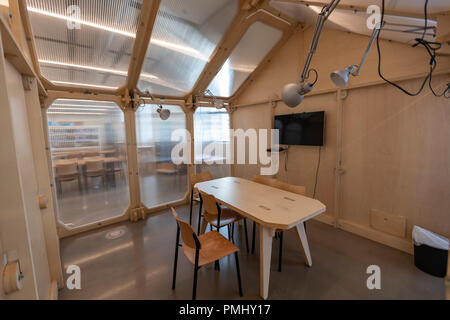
184,37
256,43
88,150
161,180
212,131
84,43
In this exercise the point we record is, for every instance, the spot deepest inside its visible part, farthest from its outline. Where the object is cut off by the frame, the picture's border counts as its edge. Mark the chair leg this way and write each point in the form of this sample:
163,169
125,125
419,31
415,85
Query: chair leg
253,237
194,289
229,233
192,203
200,215
80,189
174,279
246,234
238,271
280,254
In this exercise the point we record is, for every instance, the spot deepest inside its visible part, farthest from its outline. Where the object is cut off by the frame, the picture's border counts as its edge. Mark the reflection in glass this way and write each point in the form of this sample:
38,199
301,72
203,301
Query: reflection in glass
88,150
256,43
212,131
184,37
161,180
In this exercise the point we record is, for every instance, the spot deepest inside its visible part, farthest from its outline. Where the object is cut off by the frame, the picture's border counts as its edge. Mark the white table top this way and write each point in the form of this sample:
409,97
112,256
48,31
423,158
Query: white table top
264,204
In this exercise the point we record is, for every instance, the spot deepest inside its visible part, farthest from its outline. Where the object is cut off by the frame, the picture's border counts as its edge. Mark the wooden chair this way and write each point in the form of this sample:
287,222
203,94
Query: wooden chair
66,172
94,169
202,250
218,217
113,168
283,186
196,178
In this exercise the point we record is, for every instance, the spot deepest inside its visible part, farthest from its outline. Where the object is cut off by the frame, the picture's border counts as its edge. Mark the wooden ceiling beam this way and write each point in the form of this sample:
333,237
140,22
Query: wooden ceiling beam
149,12
234,34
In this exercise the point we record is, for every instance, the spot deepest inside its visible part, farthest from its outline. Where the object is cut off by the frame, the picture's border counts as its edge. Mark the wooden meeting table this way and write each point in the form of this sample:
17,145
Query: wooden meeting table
271,208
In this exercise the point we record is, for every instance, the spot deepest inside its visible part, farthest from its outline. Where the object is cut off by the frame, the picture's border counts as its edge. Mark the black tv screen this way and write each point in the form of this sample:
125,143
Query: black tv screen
302,129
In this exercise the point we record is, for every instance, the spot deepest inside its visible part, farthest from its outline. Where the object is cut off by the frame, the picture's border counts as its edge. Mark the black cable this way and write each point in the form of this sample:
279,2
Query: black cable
317,173
379,61
430,47
317,75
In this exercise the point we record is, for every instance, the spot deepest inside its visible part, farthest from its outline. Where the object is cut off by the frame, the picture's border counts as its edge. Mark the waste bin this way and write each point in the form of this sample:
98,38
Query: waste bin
430,252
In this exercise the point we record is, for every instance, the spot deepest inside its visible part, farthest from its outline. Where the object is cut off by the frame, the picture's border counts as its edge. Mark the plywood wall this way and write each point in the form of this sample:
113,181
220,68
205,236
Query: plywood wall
395,148
20,221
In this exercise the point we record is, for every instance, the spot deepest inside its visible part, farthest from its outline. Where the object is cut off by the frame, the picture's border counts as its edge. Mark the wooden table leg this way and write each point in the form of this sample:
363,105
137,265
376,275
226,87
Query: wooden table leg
265,255
301,232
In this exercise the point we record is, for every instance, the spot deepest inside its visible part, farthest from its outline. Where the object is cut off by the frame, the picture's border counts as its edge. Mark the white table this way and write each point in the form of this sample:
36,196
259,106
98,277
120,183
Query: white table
271,208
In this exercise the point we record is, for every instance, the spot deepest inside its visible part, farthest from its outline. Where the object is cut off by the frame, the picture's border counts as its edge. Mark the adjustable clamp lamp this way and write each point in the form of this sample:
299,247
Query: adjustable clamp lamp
294,93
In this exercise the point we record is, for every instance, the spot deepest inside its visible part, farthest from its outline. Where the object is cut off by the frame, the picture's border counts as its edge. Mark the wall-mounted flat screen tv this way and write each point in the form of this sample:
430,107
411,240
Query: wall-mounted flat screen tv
301,129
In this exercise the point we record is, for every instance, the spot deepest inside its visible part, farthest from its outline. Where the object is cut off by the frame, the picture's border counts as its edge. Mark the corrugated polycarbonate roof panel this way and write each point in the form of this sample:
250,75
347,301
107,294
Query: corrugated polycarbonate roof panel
184,37
256,43
85,43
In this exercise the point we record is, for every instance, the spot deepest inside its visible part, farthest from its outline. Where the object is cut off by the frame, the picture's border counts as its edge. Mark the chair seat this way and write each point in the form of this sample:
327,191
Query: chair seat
94,174
69,177
227,217
214,246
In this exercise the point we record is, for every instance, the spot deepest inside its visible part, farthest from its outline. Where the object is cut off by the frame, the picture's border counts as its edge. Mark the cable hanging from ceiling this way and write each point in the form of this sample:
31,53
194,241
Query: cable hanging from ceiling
431,48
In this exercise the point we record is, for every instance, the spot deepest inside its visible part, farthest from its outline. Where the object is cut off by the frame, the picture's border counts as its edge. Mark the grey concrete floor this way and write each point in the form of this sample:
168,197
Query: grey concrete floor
139,265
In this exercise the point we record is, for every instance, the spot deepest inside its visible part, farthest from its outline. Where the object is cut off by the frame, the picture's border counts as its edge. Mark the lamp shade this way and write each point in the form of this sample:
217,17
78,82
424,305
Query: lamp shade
340,77
164,114
291,94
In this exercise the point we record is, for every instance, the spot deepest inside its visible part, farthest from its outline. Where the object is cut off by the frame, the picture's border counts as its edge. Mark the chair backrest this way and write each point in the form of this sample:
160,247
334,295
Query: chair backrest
94,165
209,204
90,153
264,180
166,166
301,190
200,177
66,169
187,233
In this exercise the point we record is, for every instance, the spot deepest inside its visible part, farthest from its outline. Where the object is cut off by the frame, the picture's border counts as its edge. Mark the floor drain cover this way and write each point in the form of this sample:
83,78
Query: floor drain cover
114,234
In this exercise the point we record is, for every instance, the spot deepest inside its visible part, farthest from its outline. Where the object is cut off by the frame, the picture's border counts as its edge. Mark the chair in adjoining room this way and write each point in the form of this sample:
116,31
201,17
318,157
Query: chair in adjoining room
202,250
94,169
283,186
218,217
112,168
196,178
67,172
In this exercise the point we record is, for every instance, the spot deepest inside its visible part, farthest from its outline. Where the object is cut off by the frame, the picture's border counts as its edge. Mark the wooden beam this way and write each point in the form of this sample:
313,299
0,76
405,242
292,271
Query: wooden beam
223,50
356,8
242,22
15,55
25,18
149,12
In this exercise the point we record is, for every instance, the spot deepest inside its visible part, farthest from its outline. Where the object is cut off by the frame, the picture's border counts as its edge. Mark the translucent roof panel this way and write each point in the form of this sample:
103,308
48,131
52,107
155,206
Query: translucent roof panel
184,36
85,43
256,43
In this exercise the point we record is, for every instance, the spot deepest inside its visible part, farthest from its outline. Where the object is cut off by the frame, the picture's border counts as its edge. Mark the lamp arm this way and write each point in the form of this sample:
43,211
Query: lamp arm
323,16
375,32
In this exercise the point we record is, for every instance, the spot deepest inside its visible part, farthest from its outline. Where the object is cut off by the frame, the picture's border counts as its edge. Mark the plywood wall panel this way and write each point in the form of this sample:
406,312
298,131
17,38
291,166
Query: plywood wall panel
396,156
302,160
395,148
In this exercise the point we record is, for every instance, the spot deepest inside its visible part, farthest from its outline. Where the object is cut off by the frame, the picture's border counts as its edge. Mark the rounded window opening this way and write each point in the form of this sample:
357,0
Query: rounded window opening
88,153
161,180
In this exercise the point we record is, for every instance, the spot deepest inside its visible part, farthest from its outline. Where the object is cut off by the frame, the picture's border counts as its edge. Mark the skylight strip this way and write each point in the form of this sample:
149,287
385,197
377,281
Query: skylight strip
78,66
161,43
82,22
84,84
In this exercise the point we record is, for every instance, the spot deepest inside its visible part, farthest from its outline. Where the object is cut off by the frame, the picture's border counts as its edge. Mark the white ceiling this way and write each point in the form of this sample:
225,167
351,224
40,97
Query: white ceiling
348,20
